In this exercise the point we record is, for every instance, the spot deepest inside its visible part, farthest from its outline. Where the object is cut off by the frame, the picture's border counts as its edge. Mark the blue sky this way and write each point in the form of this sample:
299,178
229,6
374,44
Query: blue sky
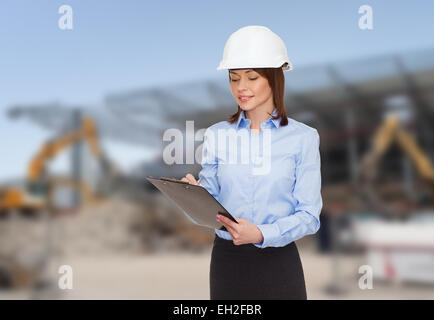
123,45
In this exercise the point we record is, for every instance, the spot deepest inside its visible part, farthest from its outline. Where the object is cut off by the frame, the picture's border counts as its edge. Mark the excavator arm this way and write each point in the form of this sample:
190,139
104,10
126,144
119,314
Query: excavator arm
385,136
381,143
420,161
14,198
389,132
52,148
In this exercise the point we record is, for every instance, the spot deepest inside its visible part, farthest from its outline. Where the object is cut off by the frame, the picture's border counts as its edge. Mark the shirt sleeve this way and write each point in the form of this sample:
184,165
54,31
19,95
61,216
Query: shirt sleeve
209,163
307,193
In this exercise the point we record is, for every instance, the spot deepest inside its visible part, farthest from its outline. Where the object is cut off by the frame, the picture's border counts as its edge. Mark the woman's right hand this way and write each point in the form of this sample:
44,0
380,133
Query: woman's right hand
190,179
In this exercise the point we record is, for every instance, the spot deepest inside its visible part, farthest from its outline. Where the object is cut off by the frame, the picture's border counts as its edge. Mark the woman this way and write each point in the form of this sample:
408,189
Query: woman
275,195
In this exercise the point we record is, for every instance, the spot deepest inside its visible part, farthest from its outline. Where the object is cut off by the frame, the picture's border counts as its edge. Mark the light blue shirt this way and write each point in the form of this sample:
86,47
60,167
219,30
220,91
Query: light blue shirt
278,187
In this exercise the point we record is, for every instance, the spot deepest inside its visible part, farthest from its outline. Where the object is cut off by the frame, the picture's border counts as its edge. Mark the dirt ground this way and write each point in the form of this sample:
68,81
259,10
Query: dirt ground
186,276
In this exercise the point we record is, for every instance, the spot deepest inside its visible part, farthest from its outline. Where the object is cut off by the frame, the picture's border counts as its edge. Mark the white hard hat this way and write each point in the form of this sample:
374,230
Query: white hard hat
254,47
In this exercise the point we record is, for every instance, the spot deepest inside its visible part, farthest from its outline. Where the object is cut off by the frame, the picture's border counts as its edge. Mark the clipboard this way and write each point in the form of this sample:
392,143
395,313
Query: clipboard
195,200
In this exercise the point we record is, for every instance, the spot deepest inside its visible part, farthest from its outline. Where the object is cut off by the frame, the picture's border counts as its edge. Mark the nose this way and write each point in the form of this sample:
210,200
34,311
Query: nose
242,85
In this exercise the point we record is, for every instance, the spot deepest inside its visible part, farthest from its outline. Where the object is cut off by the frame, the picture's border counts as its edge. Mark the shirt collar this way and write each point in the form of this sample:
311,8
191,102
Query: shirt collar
243,120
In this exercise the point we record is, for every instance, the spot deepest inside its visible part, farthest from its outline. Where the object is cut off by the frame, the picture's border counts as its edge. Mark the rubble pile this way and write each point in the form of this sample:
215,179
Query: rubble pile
117,225
101,229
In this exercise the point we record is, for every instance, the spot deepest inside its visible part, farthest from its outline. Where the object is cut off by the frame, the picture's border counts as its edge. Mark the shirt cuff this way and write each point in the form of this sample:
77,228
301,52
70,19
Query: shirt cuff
270,232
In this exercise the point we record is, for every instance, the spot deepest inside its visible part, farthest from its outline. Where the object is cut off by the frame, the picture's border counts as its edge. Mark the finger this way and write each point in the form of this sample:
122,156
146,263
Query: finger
229,228
223,222
234,223
228,221
190,178
185,180
231,231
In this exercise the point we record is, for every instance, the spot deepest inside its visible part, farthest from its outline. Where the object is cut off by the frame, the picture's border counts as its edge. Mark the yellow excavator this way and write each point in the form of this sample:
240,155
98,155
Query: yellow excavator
39,186
391,131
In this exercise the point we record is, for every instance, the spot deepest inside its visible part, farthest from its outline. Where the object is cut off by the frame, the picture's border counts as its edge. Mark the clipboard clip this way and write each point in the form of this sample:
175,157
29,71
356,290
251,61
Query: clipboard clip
173,180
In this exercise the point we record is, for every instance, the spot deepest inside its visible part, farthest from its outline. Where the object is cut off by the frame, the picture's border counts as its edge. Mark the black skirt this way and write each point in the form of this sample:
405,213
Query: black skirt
248,272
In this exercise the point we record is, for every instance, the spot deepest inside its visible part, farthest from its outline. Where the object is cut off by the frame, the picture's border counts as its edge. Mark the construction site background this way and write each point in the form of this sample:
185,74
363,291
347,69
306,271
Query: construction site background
77,205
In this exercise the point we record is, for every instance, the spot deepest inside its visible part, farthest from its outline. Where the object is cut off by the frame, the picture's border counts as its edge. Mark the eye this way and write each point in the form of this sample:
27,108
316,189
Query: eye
232,80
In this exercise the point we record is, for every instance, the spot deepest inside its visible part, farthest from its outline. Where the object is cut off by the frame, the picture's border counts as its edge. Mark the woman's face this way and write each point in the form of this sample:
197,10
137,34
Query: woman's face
249,88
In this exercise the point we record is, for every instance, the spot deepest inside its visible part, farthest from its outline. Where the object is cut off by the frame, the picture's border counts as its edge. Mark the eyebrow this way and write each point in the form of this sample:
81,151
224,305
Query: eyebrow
230,71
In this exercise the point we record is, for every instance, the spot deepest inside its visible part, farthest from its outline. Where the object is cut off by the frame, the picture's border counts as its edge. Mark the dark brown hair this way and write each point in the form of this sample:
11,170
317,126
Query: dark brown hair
276,80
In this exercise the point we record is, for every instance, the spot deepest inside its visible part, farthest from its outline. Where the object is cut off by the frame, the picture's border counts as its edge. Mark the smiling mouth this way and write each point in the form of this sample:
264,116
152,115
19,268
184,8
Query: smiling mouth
245,98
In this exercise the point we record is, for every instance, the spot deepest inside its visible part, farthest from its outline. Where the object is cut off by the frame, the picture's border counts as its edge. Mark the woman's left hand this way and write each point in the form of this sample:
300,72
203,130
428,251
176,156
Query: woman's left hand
242,233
